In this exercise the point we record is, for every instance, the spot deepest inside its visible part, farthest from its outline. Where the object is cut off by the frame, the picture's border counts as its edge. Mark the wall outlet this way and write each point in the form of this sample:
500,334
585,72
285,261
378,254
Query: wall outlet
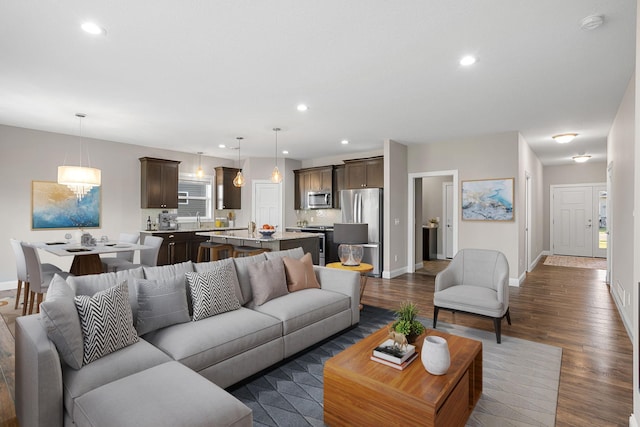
395,257
396,221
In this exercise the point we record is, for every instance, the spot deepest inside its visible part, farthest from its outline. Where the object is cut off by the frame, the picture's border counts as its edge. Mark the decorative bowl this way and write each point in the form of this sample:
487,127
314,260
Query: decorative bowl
266,233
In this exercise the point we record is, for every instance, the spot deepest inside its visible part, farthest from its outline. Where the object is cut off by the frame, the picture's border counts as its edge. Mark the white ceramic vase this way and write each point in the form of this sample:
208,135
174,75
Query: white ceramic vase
435,355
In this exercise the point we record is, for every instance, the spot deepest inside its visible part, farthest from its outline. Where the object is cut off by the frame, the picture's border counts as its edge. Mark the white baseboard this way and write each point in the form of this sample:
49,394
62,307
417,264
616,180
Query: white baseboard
418,266
515,282
4,286
394,273
633,422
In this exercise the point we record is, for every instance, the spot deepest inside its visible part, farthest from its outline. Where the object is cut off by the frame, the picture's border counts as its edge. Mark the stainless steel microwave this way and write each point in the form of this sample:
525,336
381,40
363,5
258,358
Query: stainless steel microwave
319,200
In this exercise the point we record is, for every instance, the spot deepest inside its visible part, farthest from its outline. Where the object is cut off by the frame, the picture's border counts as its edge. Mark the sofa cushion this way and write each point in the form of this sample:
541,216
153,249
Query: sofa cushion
161,303
91,283
202,267
212,292
242,270
295,253
122,363
299,309
164,395
201,344
60,318
106,321
268,281
300,274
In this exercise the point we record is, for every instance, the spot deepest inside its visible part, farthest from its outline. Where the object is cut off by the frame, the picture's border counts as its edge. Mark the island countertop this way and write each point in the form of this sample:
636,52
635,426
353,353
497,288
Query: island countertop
256,237
195,230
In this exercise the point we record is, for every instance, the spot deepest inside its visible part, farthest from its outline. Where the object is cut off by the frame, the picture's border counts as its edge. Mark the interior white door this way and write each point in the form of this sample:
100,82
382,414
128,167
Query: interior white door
266,204
573,221
447,237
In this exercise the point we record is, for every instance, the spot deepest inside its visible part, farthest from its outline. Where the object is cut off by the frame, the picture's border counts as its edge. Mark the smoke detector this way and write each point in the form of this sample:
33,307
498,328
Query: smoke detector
592,22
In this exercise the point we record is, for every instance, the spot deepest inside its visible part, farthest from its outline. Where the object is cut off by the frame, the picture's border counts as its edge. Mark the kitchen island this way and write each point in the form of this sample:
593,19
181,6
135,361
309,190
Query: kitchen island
279,241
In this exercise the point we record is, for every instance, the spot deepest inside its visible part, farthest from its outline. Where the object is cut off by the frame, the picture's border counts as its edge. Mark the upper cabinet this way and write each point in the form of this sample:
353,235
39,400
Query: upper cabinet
338,184
159,183
228,196
364,173
311,180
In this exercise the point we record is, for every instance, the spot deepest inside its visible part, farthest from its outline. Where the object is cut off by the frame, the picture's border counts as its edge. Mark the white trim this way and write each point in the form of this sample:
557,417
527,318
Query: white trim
632,421
5,286
395,273
411,220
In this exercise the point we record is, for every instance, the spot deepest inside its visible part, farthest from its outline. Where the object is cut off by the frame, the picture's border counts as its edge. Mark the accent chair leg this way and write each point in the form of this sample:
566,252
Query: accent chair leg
497,323
435,315
508,317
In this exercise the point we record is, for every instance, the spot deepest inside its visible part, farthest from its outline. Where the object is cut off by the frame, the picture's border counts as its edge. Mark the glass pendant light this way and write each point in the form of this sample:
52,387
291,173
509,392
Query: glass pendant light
80,179
239,181
200,171
276,176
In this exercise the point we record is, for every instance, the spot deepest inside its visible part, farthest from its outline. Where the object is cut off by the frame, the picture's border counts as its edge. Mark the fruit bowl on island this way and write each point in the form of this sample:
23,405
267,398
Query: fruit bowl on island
267,230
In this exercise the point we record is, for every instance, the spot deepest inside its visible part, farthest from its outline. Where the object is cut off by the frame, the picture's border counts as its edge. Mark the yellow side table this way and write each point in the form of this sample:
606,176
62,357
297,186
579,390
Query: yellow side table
363,269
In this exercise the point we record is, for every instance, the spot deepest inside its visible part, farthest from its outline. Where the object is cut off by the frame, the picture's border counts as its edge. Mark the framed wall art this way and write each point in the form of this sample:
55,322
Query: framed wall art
488,200
55,206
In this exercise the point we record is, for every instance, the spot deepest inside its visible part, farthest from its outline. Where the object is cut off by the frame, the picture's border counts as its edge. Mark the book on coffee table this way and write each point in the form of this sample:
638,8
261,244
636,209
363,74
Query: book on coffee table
400,366
392,353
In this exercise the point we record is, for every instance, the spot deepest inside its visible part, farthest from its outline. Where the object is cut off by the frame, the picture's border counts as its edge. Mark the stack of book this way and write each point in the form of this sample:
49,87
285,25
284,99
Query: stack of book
389,354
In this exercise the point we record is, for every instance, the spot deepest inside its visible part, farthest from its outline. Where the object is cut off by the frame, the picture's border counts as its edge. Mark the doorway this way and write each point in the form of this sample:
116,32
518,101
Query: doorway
579,220
447,227
414,212
267,206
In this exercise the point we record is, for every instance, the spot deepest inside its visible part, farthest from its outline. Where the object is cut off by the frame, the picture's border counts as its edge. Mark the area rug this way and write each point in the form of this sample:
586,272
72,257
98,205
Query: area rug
520,379
576,261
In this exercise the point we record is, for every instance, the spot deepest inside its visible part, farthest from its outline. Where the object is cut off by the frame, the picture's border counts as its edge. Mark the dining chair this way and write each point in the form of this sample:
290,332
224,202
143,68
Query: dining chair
21,269
37,277
110,264
148,257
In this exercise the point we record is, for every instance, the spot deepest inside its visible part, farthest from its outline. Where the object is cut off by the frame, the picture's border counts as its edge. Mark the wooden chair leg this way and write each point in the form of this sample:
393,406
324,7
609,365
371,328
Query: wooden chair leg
497,323
40,297
32,296
18,292
27,291
435,315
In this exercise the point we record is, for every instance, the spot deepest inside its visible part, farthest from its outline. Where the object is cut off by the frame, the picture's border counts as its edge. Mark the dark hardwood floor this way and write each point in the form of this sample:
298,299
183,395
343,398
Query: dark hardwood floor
566,307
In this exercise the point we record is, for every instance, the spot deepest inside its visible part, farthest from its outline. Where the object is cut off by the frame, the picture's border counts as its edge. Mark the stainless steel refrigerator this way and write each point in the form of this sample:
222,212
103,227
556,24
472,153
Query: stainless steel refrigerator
365,206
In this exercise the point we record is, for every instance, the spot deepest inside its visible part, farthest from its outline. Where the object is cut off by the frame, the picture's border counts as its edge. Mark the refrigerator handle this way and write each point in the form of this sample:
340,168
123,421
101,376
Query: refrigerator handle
359,207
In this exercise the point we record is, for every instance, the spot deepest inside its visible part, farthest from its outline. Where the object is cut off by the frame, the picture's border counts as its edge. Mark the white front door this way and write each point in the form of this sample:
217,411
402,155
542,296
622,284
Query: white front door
266,204
573,221
447,230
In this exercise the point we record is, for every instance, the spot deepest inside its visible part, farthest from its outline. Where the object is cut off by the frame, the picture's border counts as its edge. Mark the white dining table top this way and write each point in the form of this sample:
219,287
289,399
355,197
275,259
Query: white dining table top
72,249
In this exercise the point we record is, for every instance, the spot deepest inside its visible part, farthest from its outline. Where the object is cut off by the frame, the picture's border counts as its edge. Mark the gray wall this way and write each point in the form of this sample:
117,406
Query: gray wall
395,208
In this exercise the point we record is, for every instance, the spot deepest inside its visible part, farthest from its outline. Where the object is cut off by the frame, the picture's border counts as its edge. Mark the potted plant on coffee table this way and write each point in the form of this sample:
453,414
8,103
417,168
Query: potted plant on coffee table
406,322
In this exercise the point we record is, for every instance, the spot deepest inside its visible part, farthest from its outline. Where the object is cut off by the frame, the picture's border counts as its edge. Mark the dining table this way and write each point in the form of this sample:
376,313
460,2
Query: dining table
86,259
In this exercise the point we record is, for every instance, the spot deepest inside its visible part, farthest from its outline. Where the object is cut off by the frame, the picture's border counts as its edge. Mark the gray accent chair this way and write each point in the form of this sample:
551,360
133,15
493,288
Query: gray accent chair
476,281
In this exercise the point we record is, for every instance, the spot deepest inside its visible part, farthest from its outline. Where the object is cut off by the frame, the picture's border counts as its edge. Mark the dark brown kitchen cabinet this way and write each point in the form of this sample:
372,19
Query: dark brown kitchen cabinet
300,188
158,183
364,173
311,180
178,246
228,196
338,184
321,179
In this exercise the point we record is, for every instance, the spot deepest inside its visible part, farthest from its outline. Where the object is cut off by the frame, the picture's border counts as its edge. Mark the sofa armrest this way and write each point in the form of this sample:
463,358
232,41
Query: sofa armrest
342,281
39,400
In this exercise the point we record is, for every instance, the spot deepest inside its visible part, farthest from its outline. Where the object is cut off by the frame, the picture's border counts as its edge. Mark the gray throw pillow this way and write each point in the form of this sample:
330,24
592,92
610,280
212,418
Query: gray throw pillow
212,292
106,321
59,317
161,303
268,281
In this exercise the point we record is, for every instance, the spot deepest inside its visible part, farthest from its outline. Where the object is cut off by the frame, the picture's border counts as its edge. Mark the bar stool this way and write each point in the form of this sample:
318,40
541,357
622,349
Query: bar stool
214,250
242,251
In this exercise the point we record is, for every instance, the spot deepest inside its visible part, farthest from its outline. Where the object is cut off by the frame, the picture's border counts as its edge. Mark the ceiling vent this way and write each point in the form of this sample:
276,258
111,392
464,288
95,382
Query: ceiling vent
592,22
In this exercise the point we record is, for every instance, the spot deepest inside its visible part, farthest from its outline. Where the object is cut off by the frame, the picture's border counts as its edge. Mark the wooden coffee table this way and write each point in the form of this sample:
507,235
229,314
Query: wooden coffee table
359,391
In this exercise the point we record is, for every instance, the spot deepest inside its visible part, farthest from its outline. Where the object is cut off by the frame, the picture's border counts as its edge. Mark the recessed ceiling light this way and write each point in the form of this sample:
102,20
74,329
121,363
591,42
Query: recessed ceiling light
285,152
468,60
344,142
93,28
581,158
592,22
302,107
222,146
564,138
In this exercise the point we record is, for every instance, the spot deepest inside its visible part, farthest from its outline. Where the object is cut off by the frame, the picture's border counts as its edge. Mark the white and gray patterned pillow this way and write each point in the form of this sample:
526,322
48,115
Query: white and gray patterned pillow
212,292
106,321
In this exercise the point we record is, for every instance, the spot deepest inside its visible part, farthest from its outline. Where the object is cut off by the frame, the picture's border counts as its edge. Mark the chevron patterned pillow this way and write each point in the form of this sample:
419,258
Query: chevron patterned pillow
212,291
106,321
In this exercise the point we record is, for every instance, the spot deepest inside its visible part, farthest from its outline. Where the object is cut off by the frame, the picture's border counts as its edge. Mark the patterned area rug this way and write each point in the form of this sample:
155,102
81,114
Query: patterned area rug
520,379
576,261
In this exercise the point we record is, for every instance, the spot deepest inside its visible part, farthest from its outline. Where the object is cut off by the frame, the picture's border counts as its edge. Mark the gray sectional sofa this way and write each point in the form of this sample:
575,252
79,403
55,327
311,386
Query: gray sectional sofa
174,375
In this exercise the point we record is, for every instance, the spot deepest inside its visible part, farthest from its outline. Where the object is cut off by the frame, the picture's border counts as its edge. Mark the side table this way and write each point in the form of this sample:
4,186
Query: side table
363,268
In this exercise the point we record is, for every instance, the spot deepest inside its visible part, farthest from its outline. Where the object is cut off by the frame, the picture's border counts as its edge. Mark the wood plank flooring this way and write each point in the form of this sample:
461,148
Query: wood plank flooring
566,307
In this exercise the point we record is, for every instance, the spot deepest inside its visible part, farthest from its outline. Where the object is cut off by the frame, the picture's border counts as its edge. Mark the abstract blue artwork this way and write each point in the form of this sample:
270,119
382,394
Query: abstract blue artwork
55,206
488,200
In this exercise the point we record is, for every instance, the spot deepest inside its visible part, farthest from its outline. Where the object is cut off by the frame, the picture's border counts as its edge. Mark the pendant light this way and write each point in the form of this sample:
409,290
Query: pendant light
239,181
200,171
80,179
276,176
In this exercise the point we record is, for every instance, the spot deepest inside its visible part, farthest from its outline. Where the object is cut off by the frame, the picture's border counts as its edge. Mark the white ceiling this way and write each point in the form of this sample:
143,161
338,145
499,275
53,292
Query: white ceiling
188,75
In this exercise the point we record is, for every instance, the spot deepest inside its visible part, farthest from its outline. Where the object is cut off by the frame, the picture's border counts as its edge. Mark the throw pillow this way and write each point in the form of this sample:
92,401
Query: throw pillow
268,281
300,274
161,303
202,267
59,317
212,292
106,321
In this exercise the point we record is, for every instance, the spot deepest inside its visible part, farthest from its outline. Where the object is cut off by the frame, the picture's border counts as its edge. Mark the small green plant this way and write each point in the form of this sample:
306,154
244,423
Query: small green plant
406,322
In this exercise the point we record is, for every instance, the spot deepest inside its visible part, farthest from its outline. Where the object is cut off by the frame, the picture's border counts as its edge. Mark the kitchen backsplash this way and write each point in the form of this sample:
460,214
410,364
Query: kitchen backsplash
319,216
